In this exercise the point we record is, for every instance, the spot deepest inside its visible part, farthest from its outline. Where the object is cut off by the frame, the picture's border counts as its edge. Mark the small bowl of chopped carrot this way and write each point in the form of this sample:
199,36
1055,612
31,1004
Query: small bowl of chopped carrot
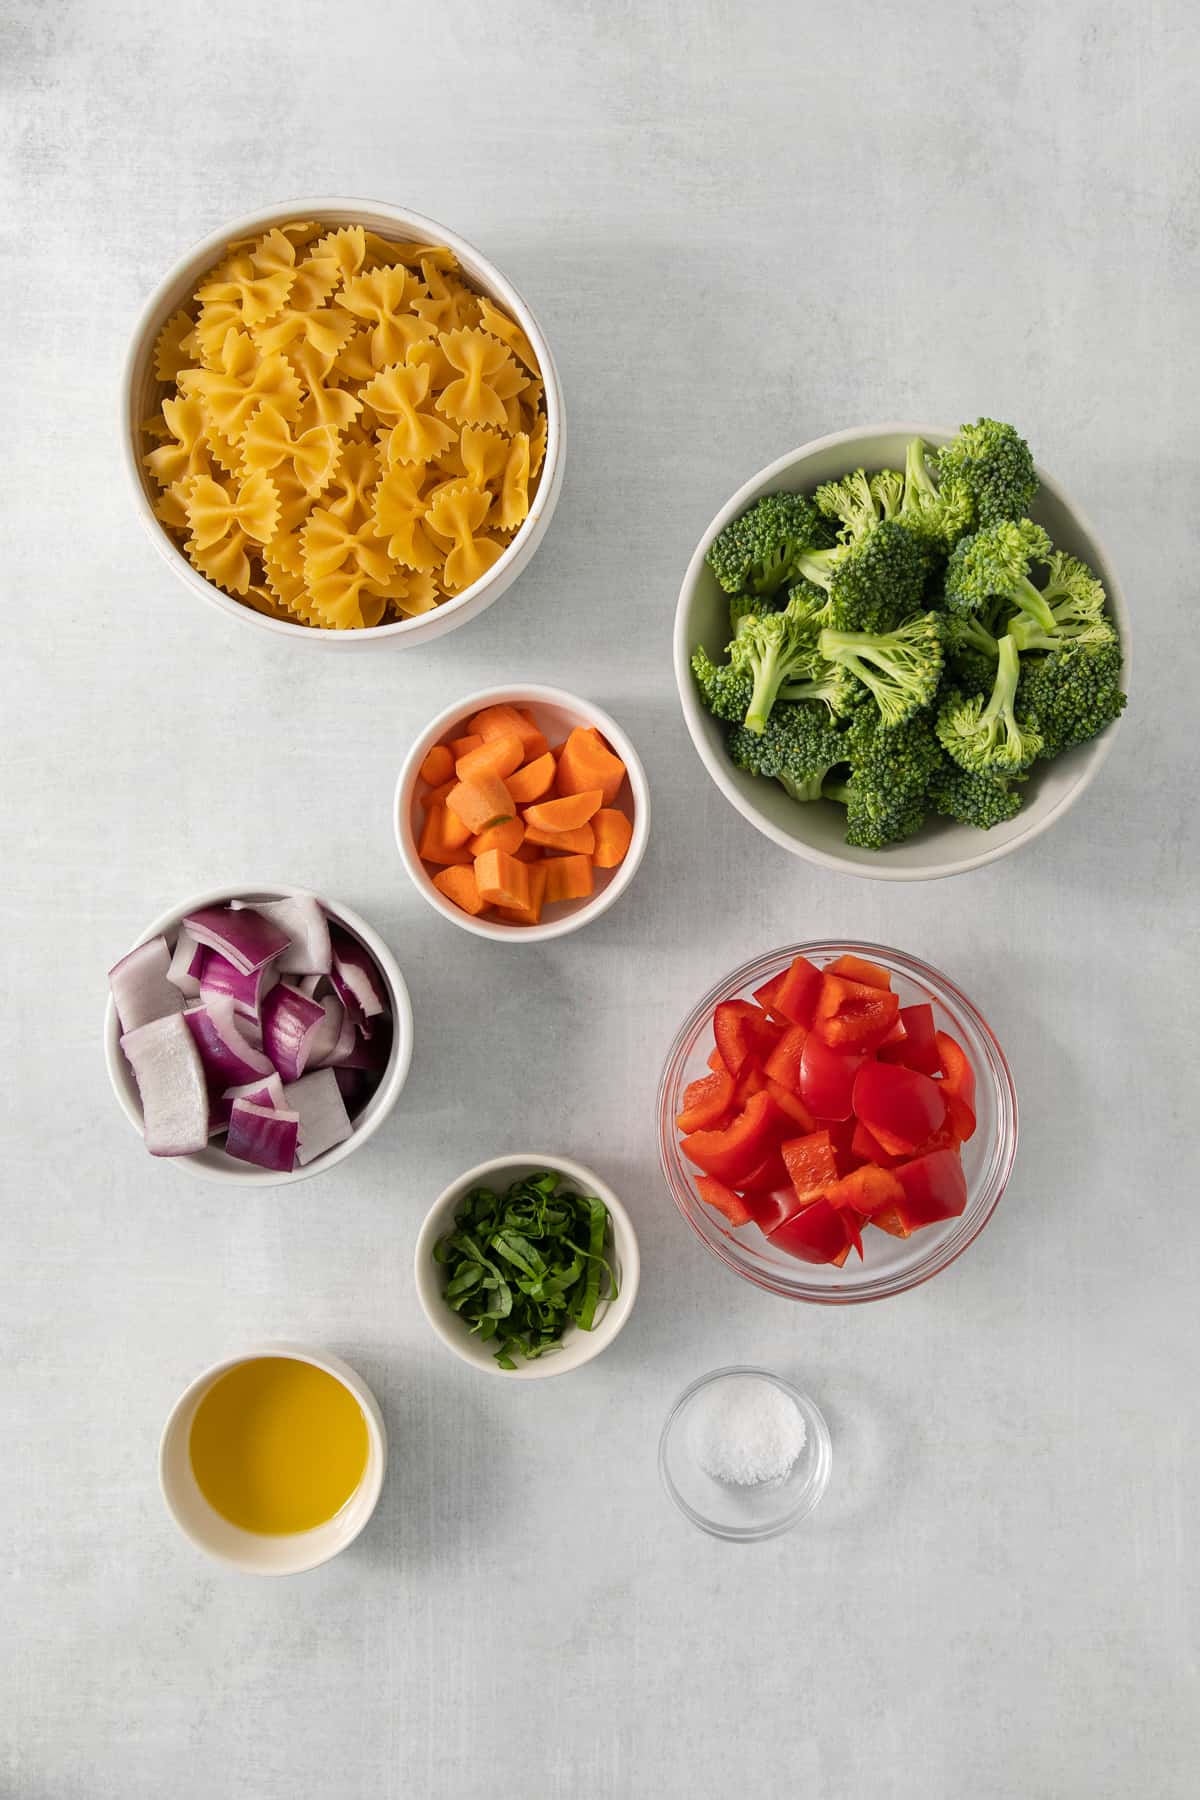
522,812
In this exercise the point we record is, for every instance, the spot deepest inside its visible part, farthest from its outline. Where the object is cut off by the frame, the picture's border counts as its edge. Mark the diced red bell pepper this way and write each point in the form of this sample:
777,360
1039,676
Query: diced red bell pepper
898,1106
895,1036
733,1028
918,1047
934,1188
732,1152
852,1015
868,1149
714,1193
810,1162
958,1084
783,1064
815,1234
769,1210
769,1174
716,1061
857,968
945,1139
889,1219
765,995
841,1136
866,1190
839,1261
751,1081
827,1079
706,1103
792,1106
796,995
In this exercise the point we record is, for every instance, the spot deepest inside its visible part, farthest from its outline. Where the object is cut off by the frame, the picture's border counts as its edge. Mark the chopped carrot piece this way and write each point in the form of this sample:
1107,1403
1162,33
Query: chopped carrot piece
437,844
538,744
435,796
495,756
566,814
459,884
530,915
532,782
509,836
438,765
481,803
502,879
568,878
587,762
613,834
455,831
461,746
580,842
498,721
529,853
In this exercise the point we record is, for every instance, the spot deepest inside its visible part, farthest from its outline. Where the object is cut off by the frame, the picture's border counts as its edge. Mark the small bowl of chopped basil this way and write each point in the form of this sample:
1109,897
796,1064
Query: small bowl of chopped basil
527,1266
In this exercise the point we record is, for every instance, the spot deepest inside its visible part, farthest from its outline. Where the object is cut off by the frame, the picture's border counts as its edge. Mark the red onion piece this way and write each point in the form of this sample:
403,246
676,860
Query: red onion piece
264,1090
218,976
356,979
290,1022
228,1055
170,1077
263,1135
324,1121
304,920
240,934
186,962
371,1053
140,988
343,1049
327,1035
308,984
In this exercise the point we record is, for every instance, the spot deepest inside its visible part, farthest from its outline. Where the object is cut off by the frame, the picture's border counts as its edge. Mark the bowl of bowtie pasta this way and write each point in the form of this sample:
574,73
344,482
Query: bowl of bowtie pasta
342,423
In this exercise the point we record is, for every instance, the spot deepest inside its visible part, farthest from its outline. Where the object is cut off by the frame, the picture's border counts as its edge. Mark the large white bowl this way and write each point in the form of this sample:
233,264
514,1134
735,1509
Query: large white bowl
253,1552
558,713
139,390
213,1162
578,1347
817,831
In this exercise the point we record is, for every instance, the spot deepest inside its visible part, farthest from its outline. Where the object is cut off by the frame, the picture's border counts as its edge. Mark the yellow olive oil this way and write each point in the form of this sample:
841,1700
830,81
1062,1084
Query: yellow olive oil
277,1445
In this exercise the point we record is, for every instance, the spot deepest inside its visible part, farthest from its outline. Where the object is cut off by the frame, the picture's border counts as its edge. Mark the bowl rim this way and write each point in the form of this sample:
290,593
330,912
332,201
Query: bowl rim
718,767
404,797
995,1178
580,1347
454,611
810,1497
373,1476
391,1082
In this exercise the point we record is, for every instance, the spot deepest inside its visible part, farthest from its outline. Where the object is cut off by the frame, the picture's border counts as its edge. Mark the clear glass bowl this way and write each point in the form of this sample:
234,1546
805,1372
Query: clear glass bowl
891,1265
726,1509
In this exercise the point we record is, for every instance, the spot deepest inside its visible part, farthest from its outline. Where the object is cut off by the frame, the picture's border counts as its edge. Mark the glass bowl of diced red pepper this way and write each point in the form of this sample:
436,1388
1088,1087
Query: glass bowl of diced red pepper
837,1122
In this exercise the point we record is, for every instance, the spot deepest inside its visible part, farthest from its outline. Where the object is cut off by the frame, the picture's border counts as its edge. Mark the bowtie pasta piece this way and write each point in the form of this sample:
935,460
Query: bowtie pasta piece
344,429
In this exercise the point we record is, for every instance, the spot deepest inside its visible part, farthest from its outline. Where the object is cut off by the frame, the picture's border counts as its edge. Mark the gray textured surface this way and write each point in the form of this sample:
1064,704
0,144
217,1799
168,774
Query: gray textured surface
737,235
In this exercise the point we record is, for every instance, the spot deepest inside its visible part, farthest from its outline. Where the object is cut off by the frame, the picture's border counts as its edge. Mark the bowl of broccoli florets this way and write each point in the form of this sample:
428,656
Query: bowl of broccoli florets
902,650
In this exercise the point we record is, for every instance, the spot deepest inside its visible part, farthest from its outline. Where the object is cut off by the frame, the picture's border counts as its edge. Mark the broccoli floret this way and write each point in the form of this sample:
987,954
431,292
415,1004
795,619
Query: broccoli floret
902,668
995,469
890,770
988,737
1076,601
1071,695
724,691
759,552
747,606
887,490
993,566
852,502
935,513
773,649
978,799
873,581
798,748
840,691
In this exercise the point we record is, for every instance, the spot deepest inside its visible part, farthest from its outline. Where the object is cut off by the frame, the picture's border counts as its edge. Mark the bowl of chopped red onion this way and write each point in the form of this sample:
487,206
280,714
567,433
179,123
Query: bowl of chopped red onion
258,1034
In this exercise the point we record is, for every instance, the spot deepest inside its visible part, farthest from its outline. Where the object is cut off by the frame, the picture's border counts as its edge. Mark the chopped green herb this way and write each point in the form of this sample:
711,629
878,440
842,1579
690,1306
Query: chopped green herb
523,1265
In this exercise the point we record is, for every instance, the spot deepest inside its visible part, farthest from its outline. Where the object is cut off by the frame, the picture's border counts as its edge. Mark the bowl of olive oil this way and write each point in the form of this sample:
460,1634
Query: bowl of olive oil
273,1460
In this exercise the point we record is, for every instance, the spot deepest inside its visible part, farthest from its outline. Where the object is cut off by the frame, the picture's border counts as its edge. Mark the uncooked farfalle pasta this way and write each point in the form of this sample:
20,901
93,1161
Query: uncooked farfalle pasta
348,431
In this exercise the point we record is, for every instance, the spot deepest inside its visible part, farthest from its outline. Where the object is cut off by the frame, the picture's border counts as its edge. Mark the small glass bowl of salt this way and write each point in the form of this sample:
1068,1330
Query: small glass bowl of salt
744,1455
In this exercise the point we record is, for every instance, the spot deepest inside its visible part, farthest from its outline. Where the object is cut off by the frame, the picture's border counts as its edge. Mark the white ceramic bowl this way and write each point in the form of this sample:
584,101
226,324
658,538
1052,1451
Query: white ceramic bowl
139,390
817,831
251,1551
213,1162
578,1347
558,713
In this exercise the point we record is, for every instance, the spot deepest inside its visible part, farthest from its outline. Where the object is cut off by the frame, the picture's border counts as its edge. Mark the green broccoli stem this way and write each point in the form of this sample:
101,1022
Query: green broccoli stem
764,693
916,470
836,790
804,791
1032,601
975,633
1004,692
817,566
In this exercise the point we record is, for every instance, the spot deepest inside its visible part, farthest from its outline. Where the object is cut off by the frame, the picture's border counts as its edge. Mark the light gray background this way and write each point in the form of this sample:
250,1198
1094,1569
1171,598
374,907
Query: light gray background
740,230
